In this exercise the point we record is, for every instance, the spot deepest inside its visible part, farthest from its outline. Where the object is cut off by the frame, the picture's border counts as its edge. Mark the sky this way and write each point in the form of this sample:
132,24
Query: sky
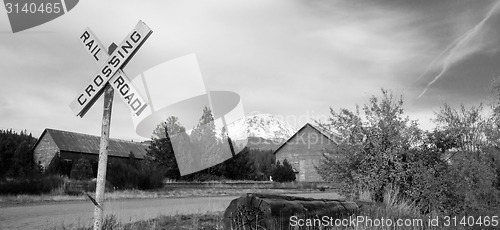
295,59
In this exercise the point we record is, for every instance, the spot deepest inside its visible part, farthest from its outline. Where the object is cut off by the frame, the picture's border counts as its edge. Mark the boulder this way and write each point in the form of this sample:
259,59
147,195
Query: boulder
271,211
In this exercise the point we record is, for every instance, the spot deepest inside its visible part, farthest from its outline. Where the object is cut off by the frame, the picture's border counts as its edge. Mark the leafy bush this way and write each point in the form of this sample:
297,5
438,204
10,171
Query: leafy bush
283,172
475,182
146,175
41,185
58,166
430,182
151,175
82,170
371,149
122,175
451,170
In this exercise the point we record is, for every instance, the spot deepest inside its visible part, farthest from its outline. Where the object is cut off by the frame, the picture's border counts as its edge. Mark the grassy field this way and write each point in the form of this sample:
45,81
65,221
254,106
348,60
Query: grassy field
213,221
56,196
207,221
393,208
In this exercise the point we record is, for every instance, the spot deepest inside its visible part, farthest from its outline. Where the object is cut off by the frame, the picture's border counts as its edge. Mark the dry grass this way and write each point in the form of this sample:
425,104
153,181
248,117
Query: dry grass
59,196
207,221
393,208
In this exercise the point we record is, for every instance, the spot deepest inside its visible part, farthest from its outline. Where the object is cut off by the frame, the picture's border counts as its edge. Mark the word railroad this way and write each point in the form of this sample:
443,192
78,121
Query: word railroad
110,70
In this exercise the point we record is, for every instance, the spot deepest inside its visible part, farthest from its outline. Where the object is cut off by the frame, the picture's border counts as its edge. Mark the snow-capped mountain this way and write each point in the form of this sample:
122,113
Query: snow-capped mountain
264,126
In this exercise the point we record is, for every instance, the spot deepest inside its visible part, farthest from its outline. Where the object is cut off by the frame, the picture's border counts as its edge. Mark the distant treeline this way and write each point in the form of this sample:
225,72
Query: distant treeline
16,158
248,164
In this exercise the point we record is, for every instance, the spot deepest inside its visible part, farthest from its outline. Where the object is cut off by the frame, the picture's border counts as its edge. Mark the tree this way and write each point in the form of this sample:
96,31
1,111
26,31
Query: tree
240,167
202,148
82,170
283,172
22,162
467,124
161,150
371,151
16,157
207,145
475,159
263,161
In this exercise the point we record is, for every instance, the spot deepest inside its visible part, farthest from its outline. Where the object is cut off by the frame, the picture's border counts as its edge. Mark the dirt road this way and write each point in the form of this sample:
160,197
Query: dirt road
79,213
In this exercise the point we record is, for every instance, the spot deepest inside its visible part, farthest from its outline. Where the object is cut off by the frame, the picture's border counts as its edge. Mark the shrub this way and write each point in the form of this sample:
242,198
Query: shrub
476,182
449,171
283,172
466,184
82,170
151,175
41,185
146,175
371,145
58,166
122,175
203,176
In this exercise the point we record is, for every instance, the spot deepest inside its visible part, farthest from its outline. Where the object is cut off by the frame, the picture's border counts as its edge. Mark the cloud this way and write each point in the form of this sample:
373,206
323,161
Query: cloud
363,51
282,57
461,47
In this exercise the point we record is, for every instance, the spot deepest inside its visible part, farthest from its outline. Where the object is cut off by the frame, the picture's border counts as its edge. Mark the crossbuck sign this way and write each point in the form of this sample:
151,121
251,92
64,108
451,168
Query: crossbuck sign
110,70
110,73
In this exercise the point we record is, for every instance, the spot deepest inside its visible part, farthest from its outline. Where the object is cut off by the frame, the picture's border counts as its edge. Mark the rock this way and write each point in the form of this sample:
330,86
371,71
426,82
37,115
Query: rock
271,211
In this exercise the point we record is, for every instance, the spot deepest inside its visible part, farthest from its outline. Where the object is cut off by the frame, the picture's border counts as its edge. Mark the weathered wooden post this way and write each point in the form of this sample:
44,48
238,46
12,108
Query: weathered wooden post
103,151
109,77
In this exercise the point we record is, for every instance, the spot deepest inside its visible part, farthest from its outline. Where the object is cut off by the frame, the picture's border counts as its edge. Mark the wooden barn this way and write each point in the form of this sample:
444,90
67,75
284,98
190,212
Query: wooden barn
71,146
304,150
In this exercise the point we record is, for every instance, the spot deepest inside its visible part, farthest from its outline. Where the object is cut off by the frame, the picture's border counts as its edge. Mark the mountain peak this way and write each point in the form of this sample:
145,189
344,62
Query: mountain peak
261,125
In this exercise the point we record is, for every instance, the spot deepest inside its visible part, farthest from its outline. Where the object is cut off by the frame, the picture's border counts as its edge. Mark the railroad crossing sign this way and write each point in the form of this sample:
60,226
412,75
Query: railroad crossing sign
110,73
110,70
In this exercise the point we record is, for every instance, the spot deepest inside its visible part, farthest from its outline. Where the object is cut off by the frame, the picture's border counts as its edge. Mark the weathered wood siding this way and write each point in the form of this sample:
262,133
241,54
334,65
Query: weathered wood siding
304,151
74,157
45,150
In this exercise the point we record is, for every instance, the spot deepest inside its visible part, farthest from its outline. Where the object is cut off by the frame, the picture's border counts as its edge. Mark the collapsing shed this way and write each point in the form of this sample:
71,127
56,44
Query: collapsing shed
304,150
72,146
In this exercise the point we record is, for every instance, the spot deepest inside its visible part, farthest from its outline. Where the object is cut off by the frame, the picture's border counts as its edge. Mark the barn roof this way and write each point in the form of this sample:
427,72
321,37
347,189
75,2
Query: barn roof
319,130
85,143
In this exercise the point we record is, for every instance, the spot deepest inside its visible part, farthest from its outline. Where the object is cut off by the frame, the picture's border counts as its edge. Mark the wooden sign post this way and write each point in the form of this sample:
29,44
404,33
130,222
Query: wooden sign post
109,78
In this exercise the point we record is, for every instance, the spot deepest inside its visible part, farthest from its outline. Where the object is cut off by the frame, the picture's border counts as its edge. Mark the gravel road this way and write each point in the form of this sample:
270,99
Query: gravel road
79,213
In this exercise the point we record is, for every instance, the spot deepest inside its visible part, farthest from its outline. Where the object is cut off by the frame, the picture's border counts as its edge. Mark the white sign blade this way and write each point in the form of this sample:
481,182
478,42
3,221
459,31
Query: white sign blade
128,93
120,82
93,46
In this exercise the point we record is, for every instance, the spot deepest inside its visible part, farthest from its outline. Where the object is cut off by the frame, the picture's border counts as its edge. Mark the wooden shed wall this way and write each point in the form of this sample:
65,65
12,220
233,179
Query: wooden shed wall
304,151
45,150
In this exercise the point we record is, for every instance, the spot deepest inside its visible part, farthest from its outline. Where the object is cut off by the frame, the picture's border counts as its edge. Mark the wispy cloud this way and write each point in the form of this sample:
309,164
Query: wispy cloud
458,49
282,57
